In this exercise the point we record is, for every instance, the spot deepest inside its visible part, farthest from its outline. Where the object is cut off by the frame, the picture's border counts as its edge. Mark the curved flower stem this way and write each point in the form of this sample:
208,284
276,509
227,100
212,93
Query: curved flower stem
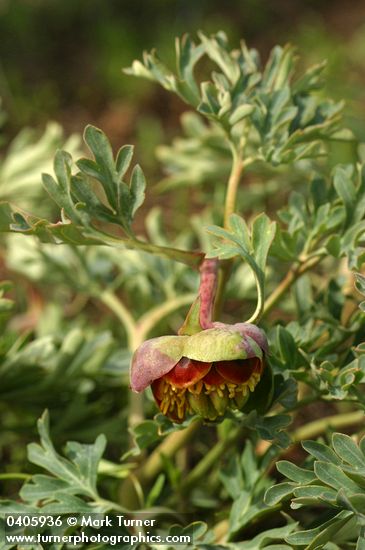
225,267
153,465
108,298
260,302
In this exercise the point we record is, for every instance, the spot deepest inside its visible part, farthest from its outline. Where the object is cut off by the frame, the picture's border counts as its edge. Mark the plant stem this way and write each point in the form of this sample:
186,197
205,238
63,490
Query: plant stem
153,465
15,475
136,412
315,428
303,403
255,317
210,459
232,187
229,208
149,320
122,313
223,276
291,277
309,431
173,442
190,258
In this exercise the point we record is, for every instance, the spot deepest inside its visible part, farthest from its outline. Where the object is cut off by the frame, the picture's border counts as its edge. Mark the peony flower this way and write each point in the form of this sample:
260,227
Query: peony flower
203,373
208,367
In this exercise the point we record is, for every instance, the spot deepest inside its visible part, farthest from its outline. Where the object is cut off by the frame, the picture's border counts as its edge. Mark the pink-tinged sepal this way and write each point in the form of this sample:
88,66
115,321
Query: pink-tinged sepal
209,366
255,333
154,358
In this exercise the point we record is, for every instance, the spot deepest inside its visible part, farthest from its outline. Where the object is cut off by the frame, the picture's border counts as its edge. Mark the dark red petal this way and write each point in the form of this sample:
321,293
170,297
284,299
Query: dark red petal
187,372
213,377
239,371
157,390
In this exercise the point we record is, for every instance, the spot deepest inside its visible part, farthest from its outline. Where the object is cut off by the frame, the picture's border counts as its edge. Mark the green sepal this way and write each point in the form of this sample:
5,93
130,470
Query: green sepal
191,324
216,344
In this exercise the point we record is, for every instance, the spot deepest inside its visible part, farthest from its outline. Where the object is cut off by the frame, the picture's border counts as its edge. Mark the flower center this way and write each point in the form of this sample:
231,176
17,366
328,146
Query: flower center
208,400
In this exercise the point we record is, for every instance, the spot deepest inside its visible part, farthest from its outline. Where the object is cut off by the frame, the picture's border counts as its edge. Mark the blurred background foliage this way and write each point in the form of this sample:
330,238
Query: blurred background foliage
62,61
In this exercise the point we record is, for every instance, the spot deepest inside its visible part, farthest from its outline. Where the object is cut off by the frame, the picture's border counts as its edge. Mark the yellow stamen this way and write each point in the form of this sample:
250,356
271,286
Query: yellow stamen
174,402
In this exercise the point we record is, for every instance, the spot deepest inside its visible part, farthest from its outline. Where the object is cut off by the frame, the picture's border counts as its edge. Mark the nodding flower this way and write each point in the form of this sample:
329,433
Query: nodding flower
205,369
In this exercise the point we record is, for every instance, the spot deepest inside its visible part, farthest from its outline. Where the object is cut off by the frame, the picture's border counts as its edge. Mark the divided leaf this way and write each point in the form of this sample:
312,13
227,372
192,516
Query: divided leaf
74,476
336,482
280,117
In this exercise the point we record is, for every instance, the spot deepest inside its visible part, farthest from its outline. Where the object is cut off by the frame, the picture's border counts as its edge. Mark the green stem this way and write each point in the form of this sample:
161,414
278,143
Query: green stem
229,208
16,475
303,403
136,411
308,431
150,319
192,259
232,187
317,427
260,301
210,459
224,271
109,299
291,277
153,465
